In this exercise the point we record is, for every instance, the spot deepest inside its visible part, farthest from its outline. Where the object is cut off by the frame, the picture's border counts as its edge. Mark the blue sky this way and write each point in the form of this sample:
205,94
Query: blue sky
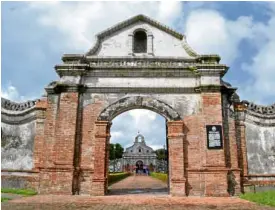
35,35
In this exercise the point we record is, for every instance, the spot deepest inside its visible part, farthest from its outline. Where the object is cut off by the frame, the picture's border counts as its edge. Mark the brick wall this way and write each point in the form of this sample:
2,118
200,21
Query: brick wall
193,169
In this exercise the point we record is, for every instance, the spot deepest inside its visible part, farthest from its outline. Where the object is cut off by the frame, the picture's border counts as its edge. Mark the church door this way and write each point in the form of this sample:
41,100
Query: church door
139,167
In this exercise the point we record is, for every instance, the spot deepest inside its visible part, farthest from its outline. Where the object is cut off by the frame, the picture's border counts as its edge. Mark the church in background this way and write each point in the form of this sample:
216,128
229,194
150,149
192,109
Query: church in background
139,157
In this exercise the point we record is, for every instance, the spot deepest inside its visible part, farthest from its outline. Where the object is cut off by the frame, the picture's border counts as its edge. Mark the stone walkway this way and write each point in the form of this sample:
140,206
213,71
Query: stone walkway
129,202
138,185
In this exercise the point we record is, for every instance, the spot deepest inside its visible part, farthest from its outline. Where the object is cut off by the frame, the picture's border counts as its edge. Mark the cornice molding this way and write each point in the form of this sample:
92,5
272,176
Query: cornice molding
191,65
150,90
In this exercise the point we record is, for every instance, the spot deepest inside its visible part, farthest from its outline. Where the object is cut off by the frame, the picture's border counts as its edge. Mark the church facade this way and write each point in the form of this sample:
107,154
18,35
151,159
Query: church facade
139,157
217,143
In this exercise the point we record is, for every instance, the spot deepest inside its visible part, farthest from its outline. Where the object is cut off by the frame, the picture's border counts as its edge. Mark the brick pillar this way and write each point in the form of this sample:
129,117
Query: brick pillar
176,158
41,107
215,165
234,159
49,130
65,142
46,159
100,176
240,110
56,175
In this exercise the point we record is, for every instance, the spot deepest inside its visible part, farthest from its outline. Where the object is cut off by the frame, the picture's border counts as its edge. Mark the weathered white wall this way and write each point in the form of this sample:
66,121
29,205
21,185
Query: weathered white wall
17,146
210,80
164,44
260,143
141,82
184,104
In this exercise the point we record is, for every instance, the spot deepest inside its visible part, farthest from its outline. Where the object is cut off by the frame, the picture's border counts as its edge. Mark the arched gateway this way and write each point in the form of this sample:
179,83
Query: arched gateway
167,77
155,70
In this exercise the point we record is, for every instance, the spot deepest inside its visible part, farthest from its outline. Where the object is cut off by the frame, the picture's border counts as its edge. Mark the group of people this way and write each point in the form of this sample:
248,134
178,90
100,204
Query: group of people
142,171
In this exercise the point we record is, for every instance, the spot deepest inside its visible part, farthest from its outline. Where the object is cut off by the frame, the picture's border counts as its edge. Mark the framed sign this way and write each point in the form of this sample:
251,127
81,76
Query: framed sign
214,136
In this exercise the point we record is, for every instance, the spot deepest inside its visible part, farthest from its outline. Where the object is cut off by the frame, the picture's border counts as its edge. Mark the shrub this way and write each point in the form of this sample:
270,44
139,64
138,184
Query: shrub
4,199
18,191
115,177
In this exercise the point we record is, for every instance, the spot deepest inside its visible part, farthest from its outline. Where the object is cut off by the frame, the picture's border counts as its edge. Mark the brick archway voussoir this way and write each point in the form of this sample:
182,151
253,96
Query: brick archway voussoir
139,102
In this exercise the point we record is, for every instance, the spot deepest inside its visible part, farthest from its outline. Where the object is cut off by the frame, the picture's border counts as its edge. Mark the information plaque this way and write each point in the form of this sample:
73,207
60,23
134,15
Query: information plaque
214,136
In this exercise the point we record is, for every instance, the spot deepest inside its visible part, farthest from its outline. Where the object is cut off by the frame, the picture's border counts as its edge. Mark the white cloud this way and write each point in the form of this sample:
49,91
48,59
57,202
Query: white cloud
142,116
169,11
11,93
80,21
125,127
261,85
116,135
208,32
156,146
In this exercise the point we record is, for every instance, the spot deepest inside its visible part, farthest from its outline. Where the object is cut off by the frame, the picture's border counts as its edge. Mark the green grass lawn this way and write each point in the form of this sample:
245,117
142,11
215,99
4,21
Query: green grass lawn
18,191
161,176
266,198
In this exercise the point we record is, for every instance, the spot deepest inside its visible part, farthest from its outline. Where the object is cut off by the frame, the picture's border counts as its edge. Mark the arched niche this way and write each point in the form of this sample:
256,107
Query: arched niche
149,40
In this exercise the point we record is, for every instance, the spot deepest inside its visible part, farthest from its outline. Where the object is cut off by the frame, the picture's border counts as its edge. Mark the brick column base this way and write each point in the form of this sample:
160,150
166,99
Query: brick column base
176,158
56,181
98,187
177,187
208,182
100,175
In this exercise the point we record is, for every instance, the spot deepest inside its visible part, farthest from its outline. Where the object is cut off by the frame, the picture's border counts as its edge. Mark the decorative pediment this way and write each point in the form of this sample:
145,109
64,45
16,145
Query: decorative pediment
146,24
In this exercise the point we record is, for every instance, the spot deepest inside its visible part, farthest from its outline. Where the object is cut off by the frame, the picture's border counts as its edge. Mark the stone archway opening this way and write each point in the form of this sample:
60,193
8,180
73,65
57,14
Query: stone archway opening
143,136
174,137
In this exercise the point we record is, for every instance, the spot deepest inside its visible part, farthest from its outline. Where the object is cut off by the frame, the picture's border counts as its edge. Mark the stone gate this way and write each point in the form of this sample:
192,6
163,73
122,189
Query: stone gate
138,63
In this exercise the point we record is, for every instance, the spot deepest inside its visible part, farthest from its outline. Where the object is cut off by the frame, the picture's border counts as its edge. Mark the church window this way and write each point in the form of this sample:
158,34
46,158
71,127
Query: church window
131,150
139,150
140,42
147,151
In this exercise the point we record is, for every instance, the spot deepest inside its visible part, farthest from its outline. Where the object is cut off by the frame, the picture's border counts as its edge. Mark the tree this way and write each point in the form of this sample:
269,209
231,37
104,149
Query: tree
115,153
162,157
161,154
111,152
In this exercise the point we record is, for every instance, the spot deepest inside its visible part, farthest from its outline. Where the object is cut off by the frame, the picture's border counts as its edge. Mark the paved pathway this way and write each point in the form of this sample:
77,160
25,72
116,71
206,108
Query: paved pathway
152,201
138,185
129,202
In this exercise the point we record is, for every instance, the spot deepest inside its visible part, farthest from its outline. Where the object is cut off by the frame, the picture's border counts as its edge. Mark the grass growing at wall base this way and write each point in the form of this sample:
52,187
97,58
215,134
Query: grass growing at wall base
161,176
115,177
18,191
266,198
4,199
